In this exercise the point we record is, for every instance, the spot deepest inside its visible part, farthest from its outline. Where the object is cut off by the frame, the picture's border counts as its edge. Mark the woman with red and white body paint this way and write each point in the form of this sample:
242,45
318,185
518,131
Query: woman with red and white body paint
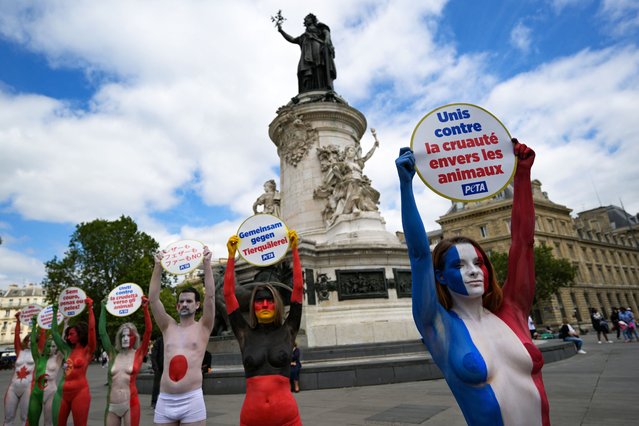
266,342
16,399
125,360
73,395
478,334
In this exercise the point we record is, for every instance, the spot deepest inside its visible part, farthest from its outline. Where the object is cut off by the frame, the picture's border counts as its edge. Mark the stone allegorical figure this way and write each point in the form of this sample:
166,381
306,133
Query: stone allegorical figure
316,68
270,200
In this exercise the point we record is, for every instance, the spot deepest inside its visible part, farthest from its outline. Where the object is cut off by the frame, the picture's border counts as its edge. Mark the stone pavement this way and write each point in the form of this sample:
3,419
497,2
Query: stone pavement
599,388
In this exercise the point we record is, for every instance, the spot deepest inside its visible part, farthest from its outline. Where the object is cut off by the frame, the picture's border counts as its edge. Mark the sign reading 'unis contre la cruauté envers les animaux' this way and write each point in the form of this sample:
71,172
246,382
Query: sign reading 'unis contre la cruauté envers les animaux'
263,239
463,152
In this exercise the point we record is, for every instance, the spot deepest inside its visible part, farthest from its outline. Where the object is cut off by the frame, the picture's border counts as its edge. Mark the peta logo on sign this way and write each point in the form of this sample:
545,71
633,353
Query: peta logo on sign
185,266
267,256
474,188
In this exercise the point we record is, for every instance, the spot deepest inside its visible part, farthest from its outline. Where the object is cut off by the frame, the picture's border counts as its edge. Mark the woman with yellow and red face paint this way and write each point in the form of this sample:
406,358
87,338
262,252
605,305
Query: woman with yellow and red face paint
125,361
266,342
73,394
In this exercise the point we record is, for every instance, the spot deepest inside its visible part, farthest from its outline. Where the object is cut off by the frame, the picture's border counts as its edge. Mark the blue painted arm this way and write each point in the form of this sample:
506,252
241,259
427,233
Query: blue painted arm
425,302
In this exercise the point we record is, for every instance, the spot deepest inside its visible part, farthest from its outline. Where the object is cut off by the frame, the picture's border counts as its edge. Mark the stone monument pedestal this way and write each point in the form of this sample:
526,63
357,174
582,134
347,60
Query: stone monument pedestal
357,274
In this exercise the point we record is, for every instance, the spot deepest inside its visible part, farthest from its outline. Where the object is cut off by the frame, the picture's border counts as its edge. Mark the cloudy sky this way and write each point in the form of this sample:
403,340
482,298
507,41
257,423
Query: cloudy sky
159,109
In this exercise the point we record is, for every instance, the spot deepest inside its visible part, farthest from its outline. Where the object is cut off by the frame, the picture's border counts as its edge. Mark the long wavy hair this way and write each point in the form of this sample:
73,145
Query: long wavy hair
277,299
492,297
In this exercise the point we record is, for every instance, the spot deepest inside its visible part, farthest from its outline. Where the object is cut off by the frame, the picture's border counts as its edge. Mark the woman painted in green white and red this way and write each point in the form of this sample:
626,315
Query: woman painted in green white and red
125,360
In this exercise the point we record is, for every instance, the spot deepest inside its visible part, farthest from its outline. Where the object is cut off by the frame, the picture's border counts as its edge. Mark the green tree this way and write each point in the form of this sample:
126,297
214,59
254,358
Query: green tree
103,254
551,273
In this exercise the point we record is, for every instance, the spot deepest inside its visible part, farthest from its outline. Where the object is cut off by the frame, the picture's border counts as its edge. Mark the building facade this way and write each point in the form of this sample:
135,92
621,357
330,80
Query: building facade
601,244
11,302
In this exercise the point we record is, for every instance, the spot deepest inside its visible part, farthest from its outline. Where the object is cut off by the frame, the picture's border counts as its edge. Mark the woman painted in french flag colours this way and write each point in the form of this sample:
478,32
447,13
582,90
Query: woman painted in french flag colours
476,331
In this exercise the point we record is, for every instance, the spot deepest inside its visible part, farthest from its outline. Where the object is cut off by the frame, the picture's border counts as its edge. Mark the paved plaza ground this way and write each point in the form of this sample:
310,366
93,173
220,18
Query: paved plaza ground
599,388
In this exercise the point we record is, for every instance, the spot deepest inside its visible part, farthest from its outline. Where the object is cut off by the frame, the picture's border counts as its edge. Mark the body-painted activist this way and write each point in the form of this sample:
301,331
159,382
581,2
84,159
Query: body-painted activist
181,400
16,399
40,353
266,343
73,395
48,365
125,360
477,334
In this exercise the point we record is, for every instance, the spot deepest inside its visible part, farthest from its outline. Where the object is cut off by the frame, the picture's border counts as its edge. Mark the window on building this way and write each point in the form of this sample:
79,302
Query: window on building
573,298
483,230
6,313
507,222
551,225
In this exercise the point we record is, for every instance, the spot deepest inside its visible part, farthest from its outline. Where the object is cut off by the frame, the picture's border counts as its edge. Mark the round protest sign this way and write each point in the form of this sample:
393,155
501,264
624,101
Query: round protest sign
263,239
71,301
124,300
182,257
28,312
463,152
45,317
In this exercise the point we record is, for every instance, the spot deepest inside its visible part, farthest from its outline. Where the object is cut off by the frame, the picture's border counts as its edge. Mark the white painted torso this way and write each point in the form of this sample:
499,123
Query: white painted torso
509,367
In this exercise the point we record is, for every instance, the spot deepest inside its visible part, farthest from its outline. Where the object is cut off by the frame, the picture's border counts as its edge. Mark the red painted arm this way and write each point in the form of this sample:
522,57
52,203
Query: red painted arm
298,280
519,289
229,276
17,344
42,340
92,337
148,327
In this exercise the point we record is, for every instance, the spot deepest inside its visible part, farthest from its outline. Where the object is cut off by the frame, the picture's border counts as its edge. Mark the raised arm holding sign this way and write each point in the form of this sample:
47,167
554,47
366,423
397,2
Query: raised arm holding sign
184,346
477,334
266,332
73,395
125,361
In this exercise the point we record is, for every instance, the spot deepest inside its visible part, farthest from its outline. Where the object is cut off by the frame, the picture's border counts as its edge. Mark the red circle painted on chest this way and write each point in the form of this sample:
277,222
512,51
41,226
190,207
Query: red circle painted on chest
178,367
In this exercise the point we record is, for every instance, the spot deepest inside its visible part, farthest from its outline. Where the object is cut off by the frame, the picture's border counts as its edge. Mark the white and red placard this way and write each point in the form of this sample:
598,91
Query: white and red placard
71,301
45,317
182,257
263,239
28,312
124,300
463,152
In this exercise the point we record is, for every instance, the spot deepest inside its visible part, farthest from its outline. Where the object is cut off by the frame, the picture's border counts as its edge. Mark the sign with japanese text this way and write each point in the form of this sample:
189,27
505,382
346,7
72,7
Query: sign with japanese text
463,152
71,301
182,257
263,239
124,300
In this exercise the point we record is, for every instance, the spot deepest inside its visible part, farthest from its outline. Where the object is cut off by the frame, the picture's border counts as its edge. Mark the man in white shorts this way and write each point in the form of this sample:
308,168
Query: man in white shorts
181,401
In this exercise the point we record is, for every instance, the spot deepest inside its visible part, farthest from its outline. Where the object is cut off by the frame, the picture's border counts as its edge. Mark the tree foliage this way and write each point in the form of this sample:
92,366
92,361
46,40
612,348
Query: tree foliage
551,273
103,254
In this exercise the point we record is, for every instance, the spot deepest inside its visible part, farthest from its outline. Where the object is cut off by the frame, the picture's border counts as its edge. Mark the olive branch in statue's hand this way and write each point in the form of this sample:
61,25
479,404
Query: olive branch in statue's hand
278,19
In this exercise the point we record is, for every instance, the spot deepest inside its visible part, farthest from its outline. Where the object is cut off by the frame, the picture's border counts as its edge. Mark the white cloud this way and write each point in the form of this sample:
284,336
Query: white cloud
17,268
520,37
194,85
